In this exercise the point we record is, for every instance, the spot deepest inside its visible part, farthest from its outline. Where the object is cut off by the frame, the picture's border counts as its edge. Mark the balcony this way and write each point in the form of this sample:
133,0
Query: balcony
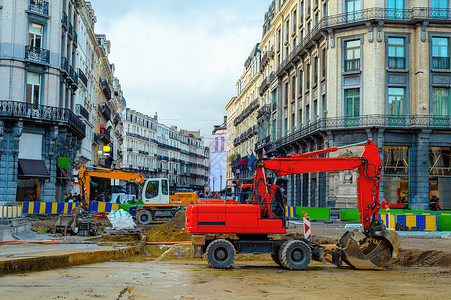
264,110
440,63
42,113
396,62
264,86
81,111
352,65
106,136
64,65
96,139
130,149
246,112
75,40
37,55
64,20
69,29
82,77
39,7
106,89
105,111
407,122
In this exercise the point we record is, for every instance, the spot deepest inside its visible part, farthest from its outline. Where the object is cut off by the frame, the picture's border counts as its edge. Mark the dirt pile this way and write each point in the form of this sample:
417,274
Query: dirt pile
429,258
171,231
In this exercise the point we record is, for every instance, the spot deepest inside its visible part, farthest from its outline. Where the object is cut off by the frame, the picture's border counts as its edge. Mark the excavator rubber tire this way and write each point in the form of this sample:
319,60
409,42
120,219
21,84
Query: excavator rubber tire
144,217
295,255
276,256
220,254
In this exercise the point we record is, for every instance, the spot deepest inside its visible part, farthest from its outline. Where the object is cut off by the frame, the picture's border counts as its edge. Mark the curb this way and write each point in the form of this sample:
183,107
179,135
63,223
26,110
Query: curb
52,261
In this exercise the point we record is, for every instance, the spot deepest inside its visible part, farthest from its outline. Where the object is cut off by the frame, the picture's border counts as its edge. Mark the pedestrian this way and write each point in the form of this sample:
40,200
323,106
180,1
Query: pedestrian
77,198
384,204
68,197
434,204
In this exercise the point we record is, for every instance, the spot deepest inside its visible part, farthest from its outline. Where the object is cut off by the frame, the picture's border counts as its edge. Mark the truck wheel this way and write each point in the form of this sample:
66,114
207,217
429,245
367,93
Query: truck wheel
275,256
295,255
144,217
220,254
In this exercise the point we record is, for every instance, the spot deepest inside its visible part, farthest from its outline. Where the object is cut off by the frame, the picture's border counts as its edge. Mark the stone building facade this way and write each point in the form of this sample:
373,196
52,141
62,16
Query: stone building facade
49,59
156,150
340,72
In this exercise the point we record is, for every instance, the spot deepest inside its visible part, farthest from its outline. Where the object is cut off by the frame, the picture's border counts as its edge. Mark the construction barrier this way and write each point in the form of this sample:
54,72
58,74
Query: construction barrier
47,208
389,220
426,221
10,210
315,213
290,211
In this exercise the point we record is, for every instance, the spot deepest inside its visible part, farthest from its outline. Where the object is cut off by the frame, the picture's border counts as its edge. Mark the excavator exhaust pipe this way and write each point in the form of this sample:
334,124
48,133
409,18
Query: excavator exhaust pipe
375,252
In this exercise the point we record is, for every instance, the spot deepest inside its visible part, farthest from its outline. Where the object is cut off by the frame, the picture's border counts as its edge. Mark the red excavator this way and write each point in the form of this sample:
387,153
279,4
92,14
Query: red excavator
222,228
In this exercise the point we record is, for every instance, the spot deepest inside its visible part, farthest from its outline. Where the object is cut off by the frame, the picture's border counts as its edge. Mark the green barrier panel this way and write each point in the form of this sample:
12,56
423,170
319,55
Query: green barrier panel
315,213
444,223
126,207
349,215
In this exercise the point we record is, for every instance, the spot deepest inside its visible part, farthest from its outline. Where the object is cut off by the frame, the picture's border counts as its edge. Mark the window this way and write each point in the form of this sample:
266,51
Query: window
315,110
307,78
352,103
300,83
352,56
323,63
164,187
307,114
285,102
395,9
439,9
35,35
33,88
396,101
294,21
396,53
315,71
293,88
440,53
396,170
352,10
152,189
300,119
440,102
293,122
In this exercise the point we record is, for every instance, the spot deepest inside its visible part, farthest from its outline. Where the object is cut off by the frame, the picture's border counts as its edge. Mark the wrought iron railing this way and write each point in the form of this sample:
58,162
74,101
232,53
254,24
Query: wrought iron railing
64,20
105,111
39,6
365,121
396,62
16,109
82,77
106,89
265,109
81,111
352,64
37,54
64,65
440,62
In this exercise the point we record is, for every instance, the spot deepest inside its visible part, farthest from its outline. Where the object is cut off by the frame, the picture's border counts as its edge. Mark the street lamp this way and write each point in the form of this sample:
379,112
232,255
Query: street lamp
213,188
220,183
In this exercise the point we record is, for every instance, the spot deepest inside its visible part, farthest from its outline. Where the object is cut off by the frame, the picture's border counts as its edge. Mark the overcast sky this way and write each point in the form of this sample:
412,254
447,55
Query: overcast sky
180,58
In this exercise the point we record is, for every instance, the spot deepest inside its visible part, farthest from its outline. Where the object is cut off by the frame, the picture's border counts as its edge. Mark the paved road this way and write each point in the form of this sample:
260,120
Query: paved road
195,280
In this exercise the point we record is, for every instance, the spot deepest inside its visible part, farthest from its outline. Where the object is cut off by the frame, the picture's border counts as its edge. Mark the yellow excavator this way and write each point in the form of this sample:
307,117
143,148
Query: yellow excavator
157,203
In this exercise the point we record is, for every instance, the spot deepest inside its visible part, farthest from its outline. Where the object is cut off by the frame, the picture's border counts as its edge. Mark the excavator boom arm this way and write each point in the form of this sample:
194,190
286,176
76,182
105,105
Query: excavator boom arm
369,169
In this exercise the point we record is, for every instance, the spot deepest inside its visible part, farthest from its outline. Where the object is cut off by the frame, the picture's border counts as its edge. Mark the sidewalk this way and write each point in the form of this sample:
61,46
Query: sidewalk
39,257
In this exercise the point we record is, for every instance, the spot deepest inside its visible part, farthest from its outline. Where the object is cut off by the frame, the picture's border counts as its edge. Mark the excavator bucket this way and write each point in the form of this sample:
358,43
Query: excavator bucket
370,253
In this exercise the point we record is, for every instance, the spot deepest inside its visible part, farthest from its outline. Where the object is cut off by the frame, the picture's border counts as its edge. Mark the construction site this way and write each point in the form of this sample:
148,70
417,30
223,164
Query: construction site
248,244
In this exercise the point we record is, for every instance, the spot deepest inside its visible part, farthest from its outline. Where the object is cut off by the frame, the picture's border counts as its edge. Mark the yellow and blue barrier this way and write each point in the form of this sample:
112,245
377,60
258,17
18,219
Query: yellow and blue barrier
428,221
290,211
389,220
47,208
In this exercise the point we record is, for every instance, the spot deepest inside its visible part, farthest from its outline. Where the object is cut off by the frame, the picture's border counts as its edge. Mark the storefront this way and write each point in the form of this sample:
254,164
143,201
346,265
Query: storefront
30,179
440,175
396,174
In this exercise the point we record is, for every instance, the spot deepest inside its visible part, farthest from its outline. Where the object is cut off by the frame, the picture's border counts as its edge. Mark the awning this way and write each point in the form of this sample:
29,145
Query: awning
33,169
65,174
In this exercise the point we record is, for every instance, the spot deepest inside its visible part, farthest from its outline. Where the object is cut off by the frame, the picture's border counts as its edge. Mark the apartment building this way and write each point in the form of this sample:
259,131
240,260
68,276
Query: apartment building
156,150
230,137
341,72
50,65
246,104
